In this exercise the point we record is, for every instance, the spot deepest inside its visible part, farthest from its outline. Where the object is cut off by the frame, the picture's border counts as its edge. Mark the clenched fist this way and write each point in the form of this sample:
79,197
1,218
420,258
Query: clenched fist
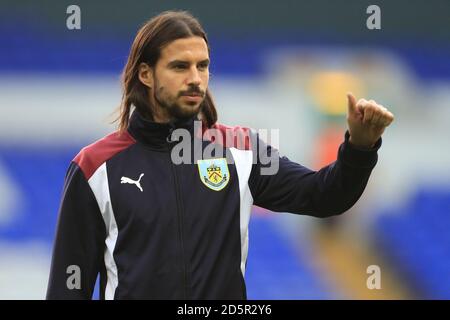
366,121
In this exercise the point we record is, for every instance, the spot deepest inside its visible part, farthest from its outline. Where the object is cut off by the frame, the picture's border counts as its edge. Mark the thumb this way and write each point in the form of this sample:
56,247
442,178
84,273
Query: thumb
351,103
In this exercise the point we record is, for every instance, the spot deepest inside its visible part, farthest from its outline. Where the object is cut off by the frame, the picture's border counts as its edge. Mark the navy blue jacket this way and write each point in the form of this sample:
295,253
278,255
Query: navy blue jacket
155,229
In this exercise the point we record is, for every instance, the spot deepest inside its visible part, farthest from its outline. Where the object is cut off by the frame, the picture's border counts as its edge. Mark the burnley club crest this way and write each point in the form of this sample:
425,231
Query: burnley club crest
214,173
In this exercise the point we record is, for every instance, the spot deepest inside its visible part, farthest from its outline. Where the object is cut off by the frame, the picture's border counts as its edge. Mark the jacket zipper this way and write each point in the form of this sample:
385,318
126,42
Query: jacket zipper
180,225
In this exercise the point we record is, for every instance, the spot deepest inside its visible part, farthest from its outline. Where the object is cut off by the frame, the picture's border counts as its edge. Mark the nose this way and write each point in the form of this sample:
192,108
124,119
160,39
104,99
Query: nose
194,77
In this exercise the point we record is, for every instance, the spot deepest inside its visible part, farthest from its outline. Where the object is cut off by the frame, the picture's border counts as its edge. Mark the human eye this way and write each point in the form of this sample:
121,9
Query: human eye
203,66
179,66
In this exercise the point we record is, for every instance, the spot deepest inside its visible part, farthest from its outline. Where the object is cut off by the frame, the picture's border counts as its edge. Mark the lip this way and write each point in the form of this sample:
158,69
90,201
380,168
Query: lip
192,97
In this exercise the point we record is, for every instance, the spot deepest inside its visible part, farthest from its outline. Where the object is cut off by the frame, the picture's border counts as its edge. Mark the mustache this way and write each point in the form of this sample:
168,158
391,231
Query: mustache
192,91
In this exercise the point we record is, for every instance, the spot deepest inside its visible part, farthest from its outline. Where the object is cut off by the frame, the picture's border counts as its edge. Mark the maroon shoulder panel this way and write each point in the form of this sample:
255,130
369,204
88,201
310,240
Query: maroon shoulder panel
94,155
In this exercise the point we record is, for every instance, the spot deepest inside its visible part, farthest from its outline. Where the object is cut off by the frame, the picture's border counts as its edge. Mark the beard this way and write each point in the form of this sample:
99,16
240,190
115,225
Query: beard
179,109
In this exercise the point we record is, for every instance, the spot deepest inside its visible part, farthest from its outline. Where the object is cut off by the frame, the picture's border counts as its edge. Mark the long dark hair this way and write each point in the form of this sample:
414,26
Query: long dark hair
153,35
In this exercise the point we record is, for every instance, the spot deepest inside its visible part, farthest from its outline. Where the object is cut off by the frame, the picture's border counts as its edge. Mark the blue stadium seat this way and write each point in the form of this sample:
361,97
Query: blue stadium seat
417,239
277,269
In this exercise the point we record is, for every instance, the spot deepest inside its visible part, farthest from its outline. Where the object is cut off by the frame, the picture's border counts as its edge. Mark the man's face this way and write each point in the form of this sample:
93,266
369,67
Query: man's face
181,77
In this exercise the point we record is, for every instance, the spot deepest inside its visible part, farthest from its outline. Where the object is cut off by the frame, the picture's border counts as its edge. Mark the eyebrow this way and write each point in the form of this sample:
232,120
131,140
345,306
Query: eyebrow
175,62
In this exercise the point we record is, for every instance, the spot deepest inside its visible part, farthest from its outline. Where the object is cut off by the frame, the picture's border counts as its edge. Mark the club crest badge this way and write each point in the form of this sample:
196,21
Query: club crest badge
214,173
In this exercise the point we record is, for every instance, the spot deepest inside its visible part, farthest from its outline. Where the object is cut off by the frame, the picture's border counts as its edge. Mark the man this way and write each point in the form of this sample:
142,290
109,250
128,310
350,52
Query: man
157,229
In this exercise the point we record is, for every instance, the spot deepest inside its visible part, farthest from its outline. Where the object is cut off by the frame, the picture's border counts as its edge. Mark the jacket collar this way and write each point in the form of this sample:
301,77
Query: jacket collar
157,135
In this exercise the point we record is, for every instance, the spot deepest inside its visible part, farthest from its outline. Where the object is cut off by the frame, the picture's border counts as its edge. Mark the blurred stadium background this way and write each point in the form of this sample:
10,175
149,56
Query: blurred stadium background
275,64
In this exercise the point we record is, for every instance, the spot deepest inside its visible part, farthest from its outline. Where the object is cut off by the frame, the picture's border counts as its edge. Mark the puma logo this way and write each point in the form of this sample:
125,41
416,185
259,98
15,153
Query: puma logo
131,181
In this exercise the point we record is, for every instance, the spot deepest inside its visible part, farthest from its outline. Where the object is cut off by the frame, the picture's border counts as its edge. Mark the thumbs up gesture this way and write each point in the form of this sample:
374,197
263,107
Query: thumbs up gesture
366,121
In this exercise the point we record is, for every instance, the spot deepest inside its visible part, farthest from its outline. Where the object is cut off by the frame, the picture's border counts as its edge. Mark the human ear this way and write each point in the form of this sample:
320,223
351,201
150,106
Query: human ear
145,74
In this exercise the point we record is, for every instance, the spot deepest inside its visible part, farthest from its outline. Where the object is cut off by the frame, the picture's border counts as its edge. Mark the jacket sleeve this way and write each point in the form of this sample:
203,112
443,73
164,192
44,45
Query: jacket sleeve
79,242
296,189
